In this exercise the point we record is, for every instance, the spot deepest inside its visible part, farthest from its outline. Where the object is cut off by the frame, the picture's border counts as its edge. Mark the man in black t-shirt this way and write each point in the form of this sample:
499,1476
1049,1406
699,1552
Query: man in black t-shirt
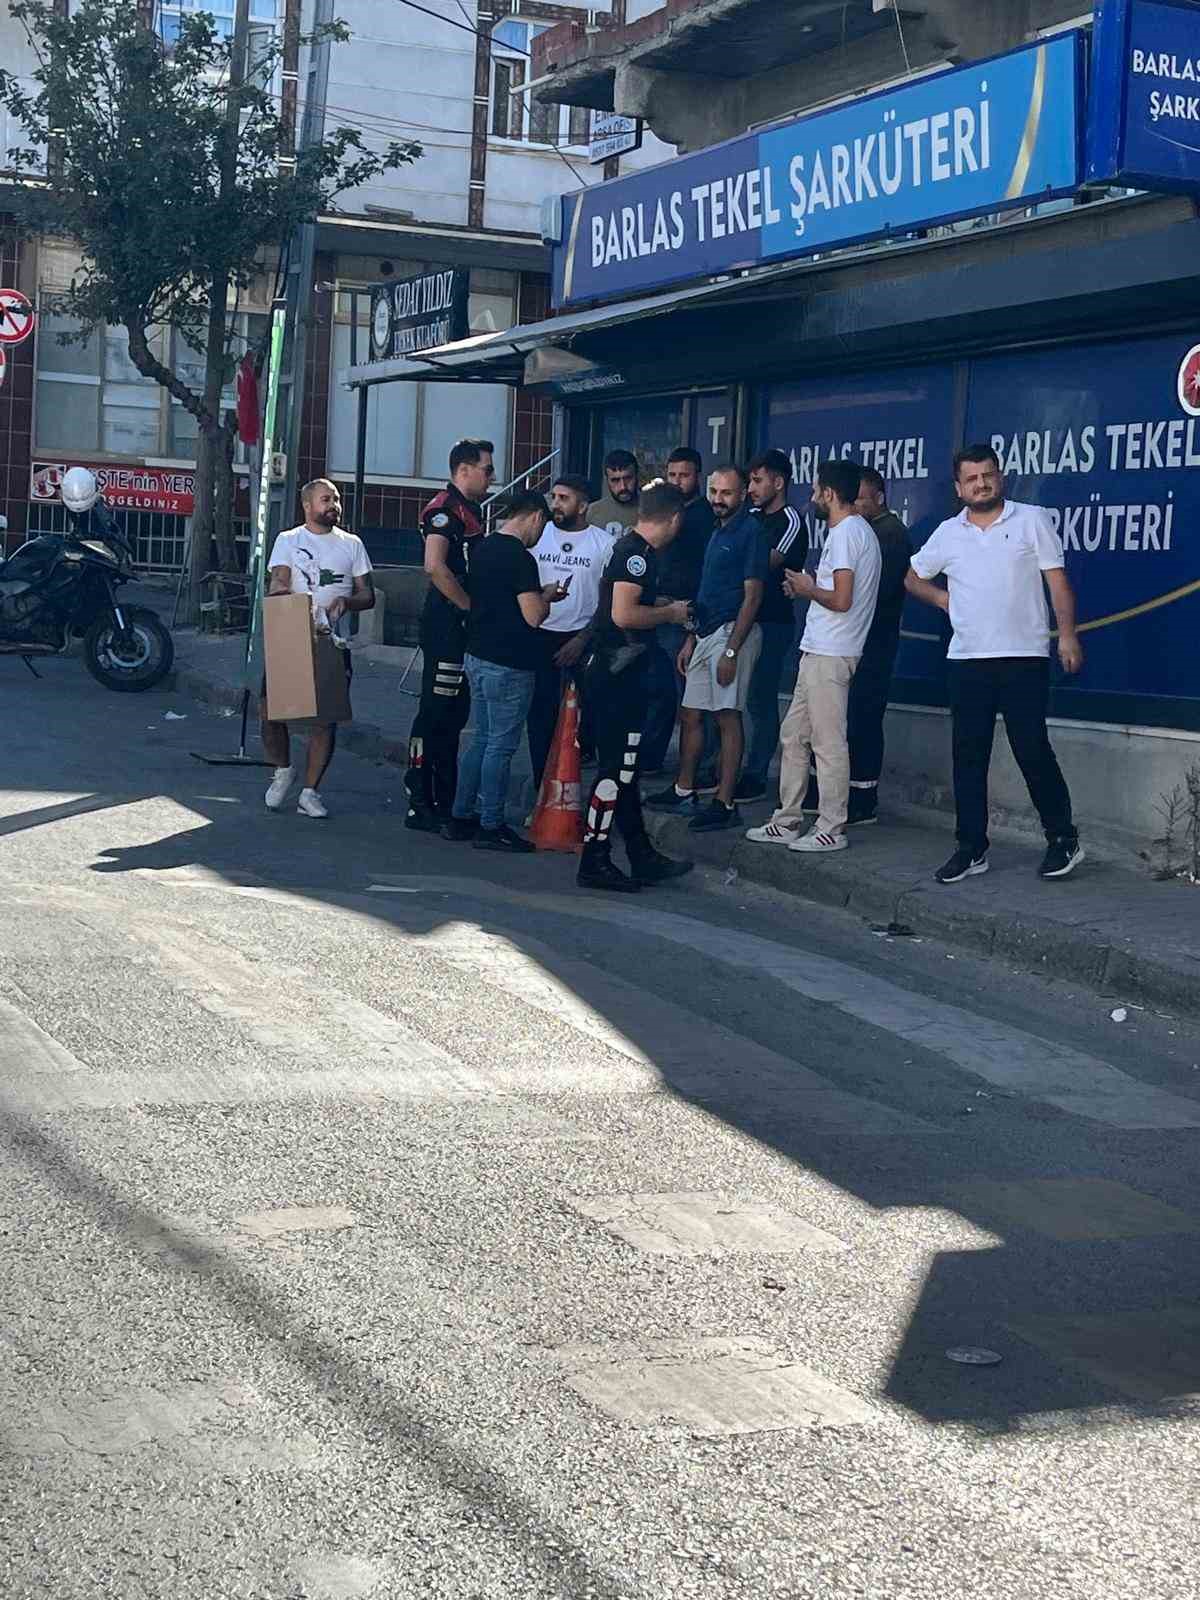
451,524
616,684
784,531
509,603
679,572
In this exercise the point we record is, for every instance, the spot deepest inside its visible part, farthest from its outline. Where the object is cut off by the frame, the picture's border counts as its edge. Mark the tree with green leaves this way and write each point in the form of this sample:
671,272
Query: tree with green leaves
176,172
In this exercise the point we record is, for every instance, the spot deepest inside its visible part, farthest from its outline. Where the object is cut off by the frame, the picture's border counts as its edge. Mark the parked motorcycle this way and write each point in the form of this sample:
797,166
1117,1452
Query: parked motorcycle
61,587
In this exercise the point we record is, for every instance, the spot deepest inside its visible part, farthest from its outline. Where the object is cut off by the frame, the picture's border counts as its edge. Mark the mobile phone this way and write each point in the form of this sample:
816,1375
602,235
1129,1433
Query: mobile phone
565,583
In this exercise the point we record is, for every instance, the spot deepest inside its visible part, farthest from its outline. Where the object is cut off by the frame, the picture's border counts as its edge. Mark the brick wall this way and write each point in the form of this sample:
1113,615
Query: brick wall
532,417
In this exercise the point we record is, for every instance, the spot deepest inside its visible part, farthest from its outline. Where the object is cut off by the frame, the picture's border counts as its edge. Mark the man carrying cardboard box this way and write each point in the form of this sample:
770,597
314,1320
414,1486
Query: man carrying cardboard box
331,566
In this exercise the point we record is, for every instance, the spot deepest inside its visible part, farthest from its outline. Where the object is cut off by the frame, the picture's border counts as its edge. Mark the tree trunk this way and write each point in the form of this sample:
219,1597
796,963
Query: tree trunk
210,448
225,489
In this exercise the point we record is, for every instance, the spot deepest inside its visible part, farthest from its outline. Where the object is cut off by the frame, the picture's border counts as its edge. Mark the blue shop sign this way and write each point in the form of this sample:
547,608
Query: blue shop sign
1144,122
994,135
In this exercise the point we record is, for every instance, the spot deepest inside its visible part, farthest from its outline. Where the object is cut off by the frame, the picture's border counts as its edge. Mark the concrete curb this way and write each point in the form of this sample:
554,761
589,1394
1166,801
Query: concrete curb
1032,942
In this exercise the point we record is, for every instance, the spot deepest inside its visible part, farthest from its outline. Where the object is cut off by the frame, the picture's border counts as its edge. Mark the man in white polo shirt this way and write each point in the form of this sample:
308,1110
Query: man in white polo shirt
840,612
999,558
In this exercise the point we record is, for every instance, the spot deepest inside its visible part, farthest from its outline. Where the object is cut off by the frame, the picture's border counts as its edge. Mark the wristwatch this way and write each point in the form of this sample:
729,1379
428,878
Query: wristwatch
731,655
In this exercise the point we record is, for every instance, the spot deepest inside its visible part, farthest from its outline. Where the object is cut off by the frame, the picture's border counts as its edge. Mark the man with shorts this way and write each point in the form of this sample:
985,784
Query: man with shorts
718,660
616,687
331,566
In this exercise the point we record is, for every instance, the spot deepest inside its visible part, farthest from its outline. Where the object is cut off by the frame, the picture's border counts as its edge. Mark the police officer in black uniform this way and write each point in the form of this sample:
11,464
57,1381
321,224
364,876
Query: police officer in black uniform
617,686
450,523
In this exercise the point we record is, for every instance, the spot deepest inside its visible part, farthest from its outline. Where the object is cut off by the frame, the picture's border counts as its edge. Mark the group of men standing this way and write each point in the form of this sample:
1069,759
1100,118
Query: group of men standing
667,603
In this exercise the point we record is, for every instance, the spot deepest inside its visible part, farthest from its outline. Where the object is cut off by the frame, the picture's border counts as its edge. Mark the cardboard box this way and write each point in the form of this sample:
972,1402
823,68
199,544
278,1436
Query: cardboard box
306,672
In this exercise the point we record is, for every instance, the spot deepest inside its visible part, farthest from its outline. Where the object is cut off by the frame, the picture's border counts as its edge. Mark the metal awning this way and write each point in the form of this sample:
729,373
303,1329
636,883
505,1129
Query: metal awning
500,357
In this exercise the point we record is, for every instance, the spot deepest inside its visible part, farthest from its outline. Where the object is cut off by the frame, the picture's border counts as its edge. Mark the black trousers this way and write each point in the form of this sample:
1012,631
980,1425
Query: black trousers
618,703
1016,688
548,684
432,775
867,708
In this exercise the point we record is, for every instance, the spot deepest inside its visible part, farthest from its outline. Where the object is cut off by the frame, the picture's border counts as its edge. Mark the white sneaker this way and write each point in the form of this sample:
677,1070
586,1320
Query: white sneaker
817,844
310,804
281,783
772,833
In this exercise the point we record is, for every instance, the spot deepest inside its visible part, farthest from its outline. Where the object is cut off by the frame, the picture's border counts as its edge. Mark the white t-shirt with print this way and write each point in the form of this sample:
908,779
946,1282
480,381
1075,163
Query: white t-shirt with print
850,545
582,556
323,565
997,594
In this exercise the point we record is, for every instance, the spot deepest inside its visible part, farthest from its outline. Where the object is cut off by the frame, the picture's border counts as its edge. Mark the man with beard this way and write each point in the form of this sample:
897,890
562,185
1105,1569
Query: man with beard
616,689
616,510
842,603
450,523
998,559
573,552
786,536
679,572
331,566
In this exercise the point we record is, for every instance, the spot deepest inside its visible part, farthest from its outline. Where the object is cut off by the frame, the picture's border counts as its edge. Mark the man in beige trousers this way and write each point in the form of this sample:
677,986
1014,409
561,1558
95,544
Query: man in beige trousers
841,607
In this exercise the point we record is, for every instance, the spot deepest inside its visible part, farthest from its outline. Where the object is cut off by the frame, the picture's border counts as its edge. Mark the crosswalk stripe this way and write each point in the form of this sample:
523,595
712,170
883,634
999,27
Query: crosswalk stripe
1009,1058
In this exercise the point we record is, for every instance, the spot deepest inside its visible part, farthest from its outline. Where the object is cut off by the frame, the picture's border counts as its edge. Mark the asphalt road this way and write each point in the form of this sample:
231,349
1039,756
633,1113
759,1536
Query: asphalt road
380,1218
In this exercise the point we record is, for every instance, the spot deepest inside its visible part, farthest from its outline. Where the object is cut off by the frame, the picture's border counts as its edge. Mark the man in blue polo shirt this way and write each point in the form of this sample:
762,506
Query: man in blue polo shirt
718,660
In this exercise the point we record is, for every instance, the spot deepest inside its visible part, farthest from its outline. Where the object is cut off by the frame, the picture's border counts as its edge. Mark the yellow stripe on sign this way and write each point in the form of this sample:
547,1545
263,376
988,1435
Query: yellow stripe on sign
1033,123
569,268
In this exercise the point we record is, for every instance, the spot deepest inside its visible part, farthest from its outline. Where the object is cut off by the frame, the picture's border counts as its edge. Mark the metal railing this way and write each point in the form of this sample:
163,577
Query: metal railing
526,480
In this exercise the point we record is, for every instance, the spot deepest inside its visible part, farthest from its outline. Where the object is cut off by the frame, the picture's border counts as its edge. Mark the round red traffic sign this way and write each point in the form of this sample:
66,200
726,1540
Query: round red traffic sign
16,317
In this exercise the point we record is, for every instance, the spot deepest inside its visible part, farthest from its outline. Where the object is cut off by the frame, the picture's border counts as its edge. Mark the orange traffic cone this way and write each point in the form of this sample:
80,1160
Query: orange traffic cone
558,815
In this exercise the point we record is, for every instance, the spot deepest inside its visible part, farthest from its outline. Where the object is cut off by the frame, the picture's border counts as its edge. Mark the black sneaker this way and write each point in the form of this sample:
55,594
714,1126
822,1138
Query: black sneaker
962,864
460,830
422,821
863,809
670,799
599,871
1061,859
716,814
649,865
503,838
750,789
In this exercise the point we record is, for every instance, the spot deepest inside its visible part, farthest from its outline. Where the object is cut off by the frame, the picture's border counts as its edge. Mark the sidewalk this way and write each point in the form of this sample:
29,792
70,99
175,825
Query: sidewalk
1110,926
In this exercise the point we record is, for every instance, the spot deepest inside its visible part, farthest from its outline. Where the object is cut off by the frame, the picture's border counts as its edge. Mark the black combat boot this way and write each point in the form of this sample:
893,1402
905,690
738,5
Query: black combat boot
650,865
598,870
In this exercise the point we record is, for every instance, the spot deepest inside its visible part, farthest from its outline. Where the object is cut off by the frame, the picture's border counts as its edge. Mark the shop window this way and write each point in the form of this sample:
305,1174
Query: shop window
515,114
91,398
650,428
411,426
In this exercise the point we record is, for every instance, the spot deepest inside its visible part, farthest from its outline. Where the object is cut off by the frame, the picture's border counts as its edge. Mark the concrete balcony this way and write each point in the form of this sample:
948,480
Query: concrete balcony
699,71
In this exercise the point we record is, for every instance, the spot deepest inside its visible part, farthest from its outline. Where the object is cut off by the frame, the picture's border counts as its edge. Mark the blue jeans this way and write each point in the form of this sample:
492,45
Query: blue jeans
500,700
763,700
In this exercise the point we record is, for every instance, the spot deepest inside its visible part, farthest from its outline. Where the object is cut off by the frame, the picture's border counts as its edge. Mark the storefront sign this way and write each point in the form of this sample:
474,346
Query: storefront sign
977,139
1144,122
417,313
170,489
1105,436
613,136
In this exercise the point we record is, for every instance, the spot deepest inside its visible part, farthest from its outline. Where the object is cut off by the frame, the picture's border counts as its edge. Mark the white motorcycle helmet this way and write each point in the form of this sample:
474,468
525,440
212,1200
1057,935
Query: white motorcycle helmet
79,490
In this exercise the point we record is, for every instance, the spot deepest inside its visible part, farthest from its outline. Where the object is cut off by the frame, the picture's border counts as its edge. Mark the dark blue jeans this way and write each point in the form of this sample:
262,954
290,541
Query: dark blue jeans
763,700
500,698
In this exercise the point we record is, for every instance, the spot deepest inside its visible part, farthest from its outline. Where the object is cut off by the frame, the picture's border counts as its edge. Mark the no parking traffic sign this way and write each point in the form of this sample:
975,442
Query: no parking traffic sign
16,317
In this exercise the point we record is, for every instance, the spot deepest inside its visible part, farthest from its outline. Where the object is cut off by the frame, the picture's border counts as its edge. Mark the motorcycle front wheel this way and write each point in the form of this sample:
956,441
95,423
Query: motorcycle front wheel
131,661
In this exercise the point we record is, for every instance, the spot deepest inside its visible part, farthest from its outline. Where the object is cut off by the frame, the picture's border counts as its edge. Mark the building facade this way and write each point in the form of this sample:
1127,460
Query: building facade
452,77
887,236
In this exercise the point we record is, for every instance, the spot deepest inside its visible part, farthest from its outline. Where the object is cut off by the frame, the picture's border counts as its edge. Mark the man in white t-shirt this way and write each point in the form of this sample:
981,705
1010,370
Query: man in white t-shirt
574,552
329,565
841,609
999,558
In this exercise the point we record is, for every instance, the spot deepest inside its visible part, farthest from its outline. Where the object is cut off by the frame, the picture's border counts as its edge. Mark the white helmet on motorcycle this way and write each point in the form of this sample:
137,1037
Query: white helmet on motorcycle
79,490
